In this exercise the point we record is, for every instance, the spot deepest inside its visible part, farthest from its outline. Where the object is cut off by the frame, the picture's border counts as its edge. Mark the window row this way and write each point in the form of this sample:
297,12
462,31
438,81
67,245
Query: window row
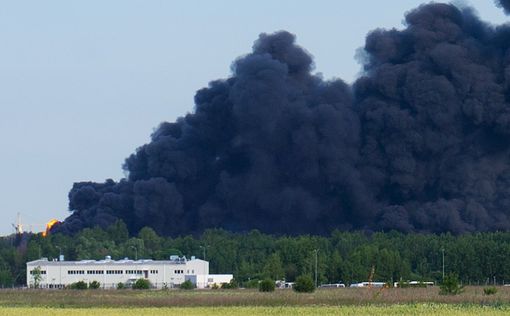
114,272
95,272
134,272
178,271
154,271
76,272
42,271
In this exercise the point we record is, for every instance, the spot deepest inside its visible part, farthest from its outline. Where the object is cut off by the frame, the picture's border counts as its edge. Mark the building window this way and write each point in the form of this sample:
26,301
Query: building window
76,272
42,272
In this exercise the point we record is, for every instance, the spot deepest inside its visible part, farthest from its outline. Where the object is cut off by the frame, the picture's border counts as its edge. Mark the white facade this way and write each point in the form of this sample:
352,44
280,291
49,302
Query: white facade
208,280
109,273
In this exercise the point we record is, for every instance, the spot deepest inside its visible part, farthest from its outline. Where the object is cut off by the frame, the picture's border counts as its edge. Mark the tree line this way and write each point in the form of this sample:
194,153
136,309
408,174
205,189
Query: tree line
348,257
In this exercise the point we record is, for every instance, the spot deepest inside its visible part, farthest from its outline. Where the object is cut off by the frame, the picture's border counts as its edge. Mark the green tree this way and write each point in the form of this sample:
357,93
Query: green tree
334,268
187,285
151,241
141,284
266,285
118,232
36,277
6,278
450,285
304,284
273,268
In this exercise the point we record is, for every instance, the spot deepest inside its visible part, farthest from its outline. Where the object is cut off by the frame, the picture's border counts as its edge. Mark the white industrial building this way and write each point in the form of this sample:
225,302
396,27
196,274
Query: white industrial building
109,273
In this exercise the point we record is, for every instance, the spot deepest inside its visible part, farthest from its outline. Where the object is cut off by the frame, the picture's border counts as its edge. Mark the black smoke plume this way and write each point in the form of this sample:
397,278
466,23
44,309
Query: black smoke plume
421,142
505,4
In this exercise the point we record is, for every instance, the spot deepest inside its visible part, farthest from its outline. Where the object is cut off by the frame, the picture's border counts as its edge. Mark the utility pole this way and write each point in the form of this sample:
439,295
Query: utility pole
442,250
316,251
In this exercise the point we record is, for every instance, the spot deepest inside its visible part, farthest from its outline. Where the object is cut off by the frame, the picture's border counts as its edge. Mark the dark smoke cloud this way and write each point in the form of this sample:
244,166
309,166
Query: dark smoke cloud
421,142
505,4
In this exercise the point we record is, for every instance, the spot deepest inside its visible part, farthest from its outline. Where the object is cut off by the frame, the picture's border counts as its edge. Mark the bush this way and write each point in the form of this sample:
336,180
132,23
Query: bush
252,284
450,285
142,284
490,290
187,285
231,285
121,286
215,286
266,285
304,284
94,285
80,285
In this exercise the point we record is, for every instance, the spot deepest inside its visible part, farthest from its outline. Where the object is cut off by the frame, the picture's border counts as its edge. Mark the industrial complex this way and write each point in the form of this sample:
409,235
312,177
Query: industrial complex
110,273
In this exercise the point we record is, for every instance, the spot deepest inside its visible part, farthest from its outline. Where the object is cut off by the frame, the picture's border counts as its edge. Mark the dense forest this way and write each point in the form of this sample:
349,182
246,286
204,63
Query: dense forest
478,258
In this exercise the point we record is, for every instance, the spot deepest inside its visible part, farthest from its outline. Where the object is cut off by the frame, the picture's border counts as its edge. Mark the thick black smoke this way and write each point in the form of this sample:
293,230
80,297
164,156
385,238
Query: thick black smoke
421,142
505,4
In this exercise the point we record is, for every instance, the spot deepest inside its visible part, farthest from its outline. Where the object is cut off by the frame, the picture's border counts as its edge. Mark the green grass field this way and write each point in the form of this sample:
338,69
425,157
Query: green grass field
412,301
409,309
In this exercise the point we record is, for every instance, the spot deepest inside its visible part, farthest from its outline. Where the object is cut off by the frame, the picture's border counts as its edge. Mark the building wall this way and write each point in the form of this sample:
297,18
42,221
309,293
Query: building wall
57,274
208,280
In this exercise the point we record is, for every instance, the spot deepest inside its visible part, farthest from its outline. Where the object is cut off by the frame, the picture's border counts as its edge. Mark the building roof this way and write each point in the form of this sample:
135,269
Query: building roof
110,262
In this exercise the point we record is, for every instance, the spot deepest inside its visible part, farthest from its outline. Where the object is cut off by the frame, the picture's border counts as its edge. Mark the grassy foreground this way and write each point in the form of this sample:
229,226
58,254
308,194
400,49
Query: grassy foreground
412,301
216,298
410,309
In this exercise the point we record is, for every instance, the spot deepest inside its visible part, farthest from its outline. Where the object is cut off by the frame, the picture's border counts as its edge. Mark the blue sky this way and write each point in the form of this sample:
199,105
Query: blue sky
84,83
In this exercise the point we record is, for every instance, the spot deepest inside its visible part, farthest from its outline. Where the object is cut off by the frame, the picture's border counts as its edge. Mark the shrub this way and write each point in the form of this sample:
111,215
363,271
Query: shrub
121,286
266,285
80,285
252,284
231,285
142,284
304,284
94,285
215,286
490,290
187,285
450,285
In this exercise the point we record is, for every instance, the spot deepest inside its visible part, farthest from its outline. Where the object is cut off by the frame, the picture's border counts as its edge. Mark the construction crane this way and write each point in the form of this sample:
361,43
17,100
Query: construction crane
18,226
